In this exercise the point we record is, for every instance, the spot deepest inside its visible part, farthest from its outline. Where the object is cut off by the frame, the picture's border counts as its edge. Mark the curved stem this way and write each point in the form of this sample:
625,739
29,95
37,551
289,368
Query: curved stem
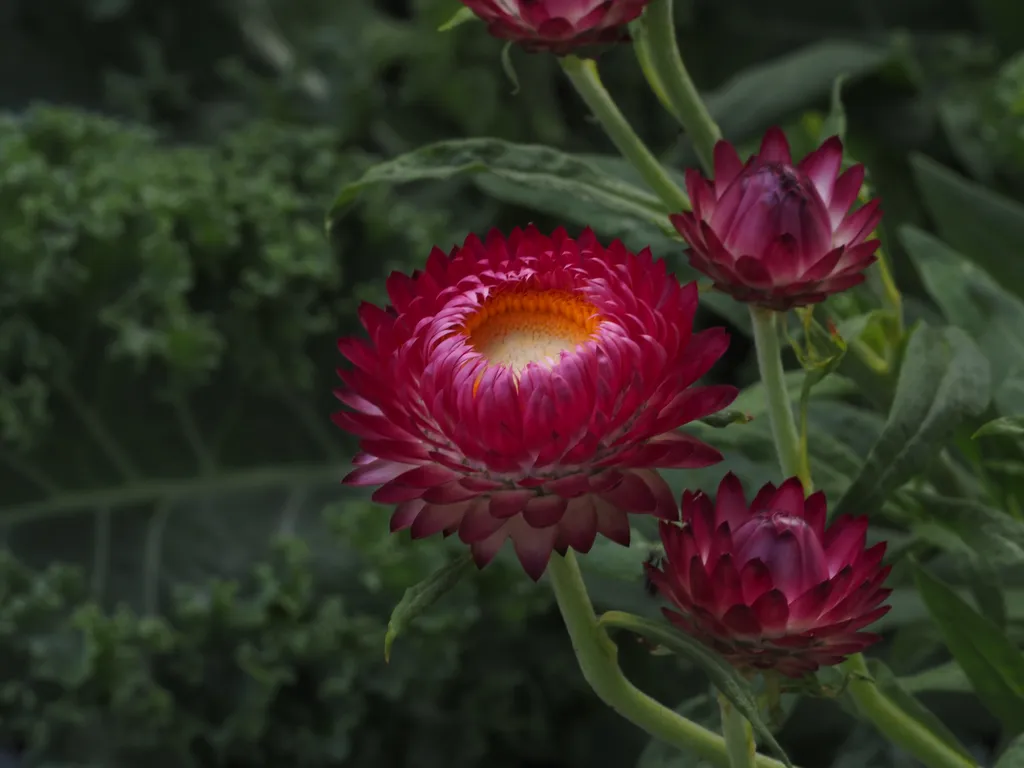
780,410
596,654
671,76
739,737
585,78
895,724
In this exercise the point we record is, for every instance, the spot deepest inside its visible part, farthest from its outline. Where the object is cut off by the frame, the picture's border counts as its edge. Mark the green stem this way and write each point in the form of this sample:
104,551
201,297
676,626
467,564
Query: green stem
895,724
596,654
780,410
739,736
585,78
671,76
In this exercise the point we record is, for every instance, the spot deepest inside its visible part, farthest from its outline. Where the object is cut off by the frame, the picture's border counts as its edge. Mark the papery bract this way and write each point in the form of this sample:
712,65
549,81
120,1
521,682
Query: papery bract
525,389
559,26
778,235
769,585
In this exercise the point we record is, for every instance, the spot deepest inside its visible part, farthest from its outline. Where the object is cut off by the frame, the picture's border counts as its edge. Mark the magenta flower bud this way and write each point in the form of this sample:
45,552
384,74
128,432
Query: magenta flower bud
768,585
778,235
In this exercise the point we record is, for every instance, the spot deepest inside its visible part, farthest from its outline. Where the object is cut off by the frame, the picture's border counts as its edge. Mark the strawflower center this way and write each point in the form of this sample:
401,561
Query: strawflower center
522,327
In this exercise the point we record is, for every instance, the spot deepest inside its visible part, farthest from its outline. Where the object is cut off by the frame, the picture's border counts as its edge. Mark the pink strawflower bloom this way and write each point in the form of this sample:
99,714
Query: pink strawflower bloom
526,388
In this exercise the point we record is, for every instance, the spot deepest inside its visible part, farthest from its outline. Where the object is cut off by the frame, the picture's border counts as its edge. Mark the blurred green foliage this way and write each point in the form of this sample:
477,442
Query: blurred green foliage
168,305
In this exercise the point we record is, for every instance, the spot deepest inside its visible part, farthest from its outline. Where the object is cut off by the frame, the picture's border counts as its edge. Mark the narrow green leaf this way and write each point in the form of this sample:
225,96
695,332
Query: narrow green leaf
1005,426
835,121
944,379
1013,757
773,90
534,167
947,677
991,539
979,223
722,674
724,419
973,300
457,19
888,684
420,597
993,664
509,67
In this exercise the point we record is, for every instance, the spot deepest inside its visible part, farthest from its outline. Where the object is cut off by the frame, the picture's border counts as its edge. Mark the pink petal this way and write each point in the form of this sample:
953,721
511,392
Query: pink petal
533,547
730,502
727,166
544,511
579,524
775,147
822,166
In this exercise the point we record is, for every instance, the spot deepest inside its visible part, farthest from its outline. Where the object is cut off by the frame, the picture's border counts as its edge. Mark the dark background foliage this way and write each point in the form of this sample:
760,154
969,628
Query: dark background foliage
187,584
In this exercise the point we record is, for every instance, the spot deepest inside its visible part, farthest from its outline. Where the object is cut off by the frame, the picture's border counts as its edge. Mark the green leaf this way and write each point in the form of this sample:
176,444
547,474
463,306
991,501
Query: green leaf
1013,756
1004,426
835,121
536,168
888,684
993,664
943,380
989,538
971,299
460,17
724,419
984,226
762,95
722,674
946,677
420,597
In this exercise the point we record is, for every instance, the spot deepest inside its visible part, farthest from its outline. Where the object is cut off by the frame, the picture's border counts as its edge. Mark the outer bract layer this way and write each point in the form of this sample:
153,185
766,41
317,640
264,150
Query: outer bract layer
767,585
779,236
525,389
559,26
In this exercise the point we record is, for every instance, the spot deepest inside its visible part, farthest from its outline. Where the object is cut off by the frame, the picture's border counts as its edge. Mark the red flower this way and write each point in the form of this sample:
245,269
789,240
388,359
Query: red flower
776,235
525,388
768,586
559,26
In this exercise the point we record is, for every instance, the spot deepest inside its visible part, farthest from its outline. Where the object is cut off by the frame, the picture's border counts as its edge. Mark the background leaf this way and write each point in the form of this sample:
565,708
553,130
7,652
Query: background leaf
984,226
943,380
993,664
535,167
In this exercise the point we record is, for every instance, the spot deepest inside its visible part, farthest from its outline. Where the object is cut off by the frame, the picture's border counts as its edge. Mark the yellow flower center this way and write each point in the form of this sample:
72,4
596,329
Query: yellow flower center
517,328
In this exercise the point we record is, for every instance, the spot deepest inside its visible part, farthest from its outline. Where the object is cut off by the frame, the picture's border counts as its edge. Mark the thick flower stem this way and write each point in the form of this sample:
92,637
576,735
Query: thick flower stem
585,78
739,736
678,88
895,724
596,654
780,409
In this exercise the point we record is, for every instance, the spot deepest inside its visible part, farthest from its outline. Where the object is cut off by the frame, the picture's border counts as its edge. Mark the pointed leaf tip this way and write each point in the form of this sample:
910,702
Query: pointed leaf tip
419,597
457,19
